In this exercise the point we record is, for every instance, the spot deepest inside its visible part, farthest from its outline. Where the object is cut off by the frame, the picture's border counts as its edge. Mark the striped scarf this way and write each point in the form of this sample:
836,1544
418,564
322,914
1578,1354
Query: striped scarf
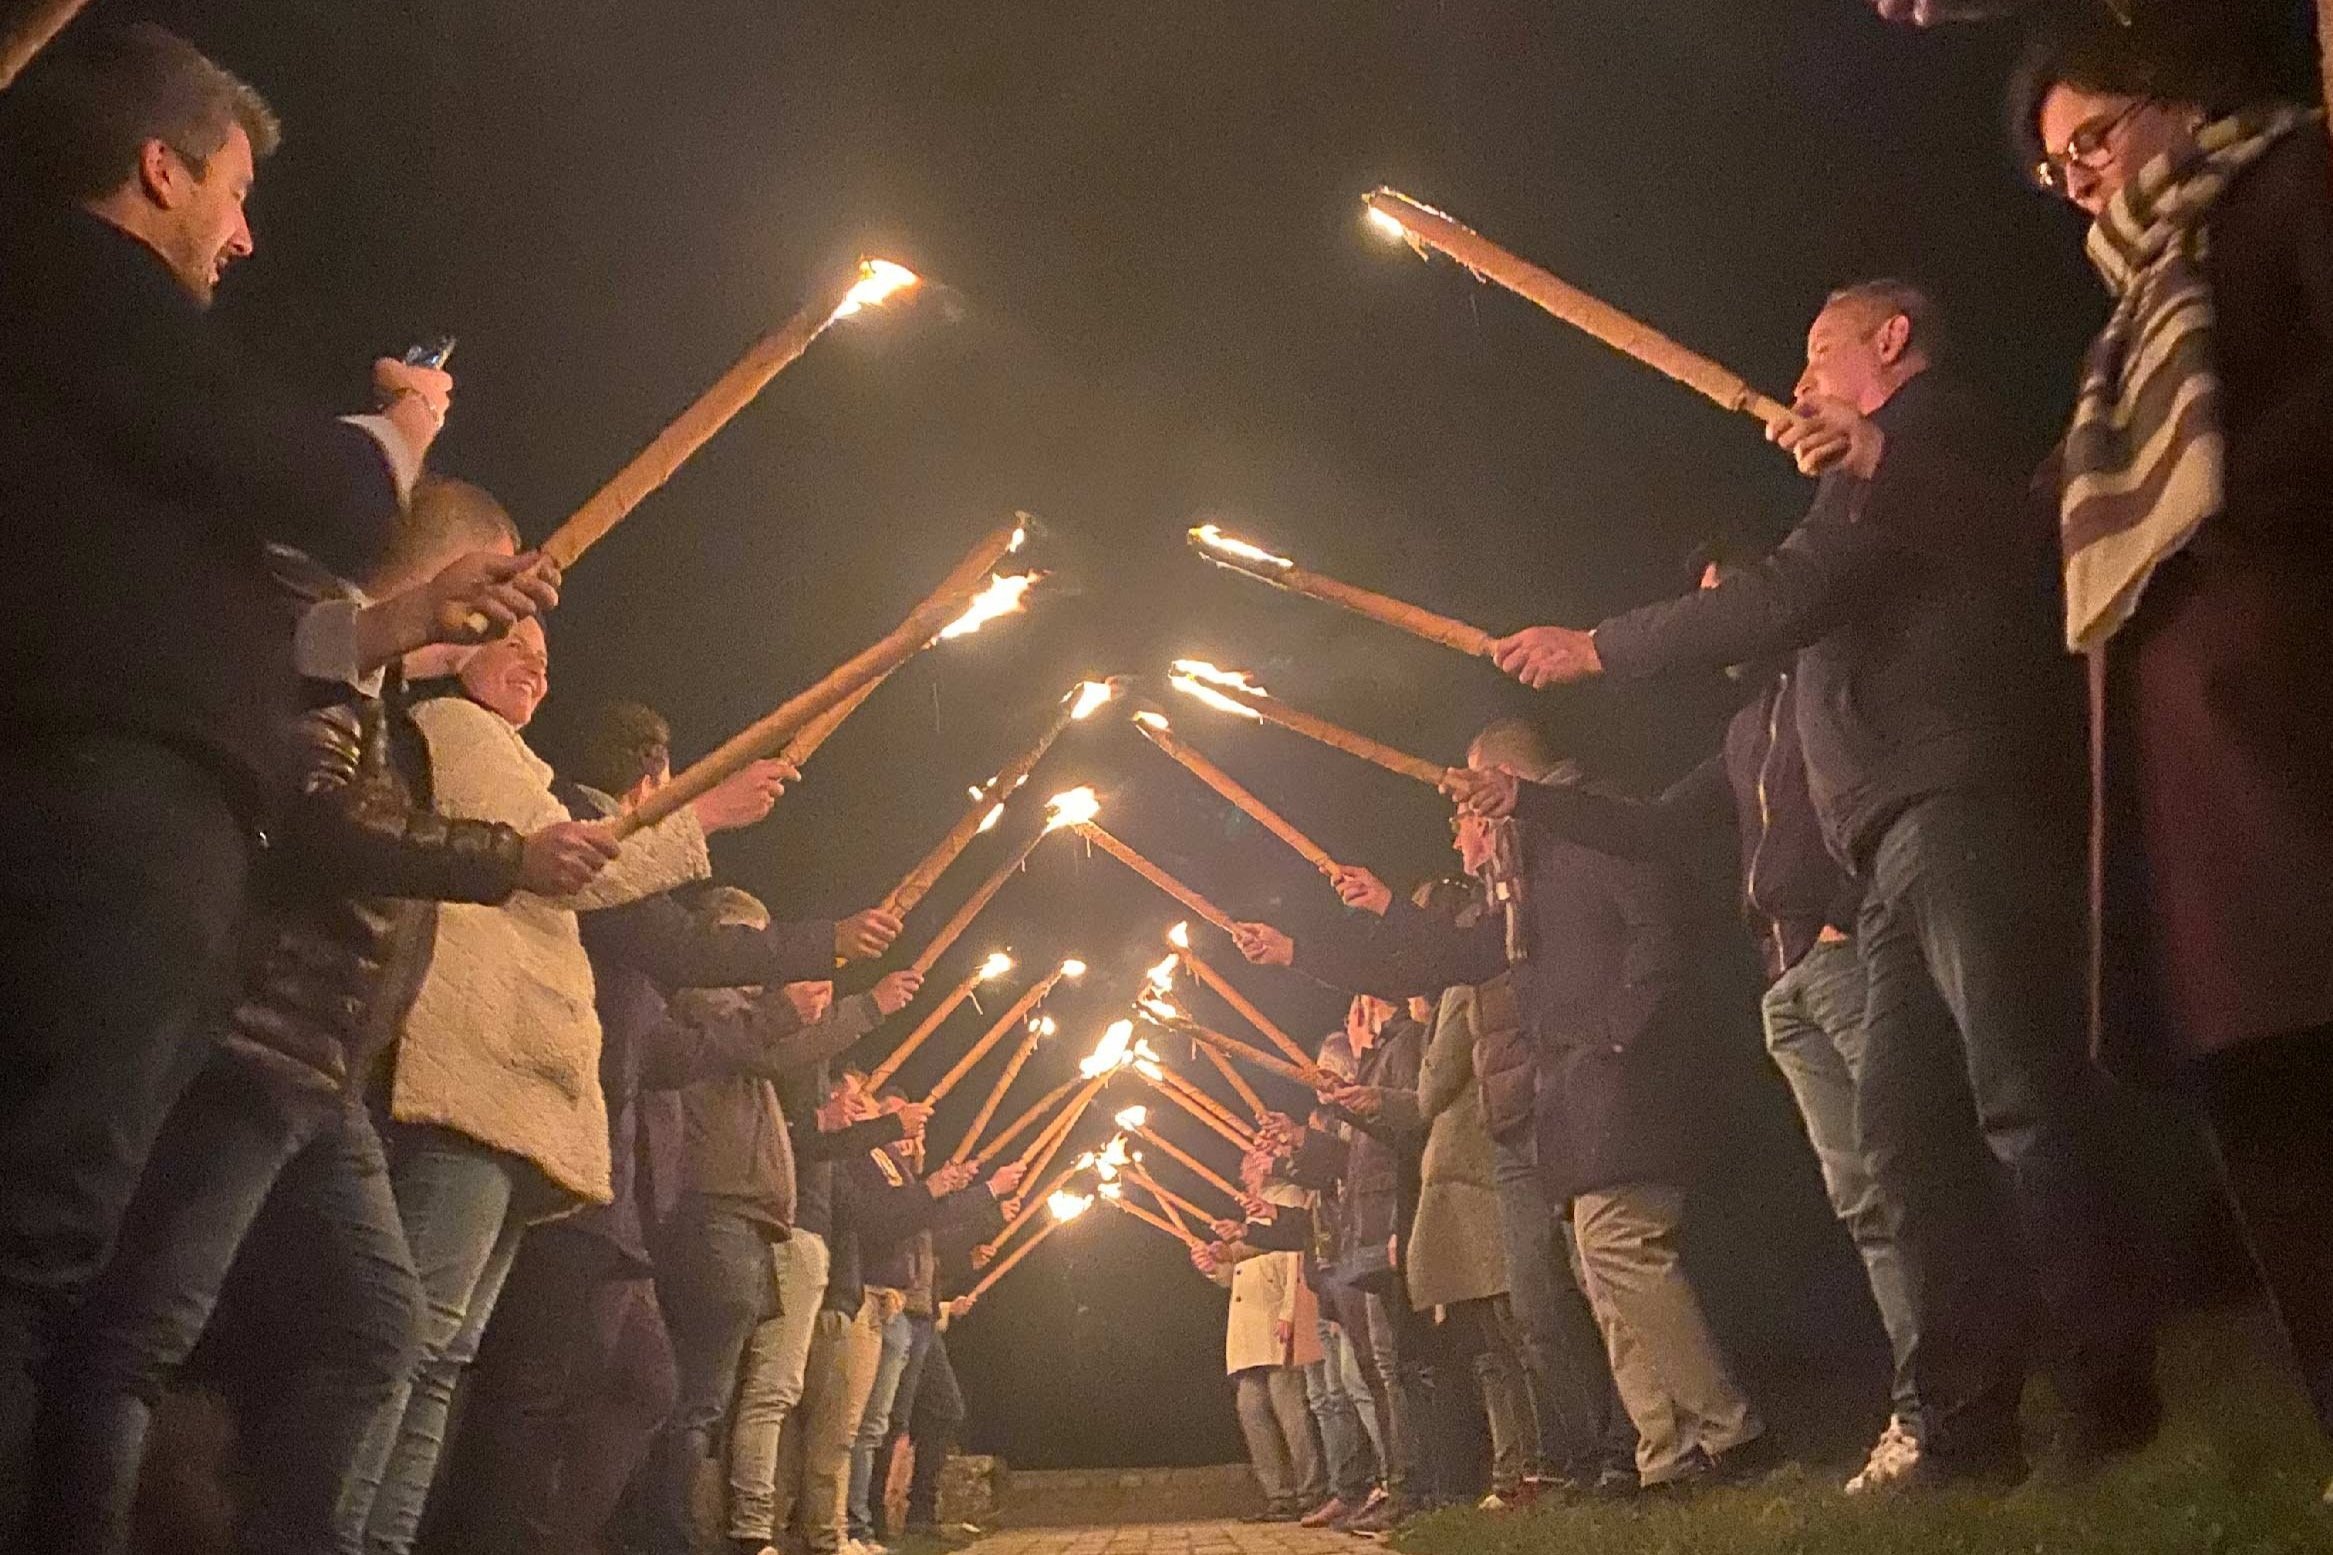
2145,462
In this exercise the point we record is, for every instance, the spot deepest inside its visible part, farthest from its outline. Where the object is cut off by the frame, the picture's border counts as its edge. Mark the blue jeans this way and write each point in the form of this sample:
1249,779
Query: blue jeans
1575,1408
455,1197
935,1421
714,1282
1352,1380
1814,1030
240,1156
122,879
922,1333
874,1421
1341,1436
1970,947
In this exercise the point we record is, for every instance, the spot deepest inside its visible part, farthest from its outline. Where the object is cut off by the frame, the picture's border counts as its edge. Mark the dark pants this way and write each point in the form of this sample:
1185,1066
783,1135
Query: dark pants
1437,1412
305,1176
573,1381
713,1281
122,875
926,1418
1349,1310
2271,1110
1969,940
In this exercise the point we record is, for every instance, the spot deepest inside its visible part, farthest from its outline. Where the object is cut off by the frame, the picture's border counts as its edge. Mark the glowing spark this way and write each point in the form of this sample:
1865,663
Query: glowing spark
1387,225
1073,968
1180,936
1132,1117
995,966
1215,539
1197,678
1110,1052
995,814
1020,534
879,279
1090,694
1068,1206
1001,597
1072,808
1043,1026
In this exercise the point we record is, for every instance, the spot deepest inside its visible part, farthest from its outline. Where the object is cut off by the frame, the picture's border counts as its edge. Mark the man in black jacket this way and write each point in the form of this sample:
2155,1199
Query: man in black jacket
1918,598
144,466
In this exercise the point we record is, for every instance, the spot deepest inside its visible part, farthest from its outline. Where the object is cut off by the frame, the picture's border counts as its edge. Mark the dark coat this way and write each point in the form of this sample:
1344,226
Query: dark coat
2212,716
1791,887
341,908
880,1207
1606,994
1380,1182
1921,607
144,467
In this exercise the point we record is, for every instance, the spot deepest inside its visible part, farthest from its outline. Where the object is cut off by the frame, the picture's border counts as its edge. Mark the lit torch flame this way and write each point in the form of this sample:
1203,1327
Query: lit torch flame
1161,978
1152,720
1072,808
1214,539
1146,1063
1132,1117
1068,1206
1002,597
994,815
879,280
995,966
1110,1052
1386,225
1111,1190
1090,694
1197,678
1073,968
1180,936
1043,1027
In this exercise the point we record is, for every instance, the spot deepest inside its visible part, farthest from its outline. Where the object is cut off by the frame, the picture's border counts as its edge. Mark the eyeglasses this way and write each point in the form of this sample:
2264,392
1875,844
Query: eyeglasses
2086,148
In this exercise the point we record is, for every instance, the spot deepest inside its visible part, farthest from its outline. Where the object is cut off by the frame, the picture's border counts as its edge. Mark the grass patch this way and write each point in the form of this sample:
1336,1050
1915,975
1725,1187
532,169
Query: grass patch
2238,1470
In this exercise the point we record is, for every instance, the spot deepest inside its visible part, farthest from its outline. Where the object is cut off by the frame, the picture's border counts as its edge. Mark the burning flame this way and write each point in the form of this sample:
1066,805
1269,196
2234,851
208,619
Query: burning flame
1068,1206
1020,533
1090,694
1110,1052
994,967
1043,1027
1161,1010
1111,1190
1074,807
1146,1062
879,280
1386,224
1072,968
1001,597
994,815
1132,1117
1180,936
1197,678
1152,720
1162,976
1214,539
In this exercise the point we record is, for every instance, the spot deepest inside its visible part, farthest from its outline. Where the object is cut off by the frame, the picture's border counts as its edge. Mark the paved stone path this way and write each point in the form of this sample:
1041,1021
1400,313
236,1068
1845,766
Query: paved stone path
1209,1538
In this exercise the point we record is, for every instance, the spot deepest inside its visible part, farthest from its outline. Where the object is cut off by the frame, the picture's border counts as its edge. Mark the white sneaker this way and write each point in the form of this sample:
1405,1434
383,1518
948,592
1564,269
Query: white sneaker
1892,1457
1494,1502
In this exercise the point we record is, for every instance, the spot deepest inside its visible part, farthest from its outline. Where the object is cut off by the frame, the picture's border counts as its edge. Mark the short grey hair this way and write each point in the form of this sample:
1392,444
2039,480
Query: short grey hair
1889,297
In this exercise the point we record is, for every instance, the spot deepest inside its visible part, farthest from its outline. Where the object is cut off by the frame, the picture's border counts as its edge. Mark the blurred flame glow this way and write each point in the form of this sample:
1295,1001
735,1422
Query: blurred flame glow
1090,694
1197,678
997,964
1386,224
995,814
1132,1117
1072,968
1214,539
879,280
1180,936
1001,597
1110,1052
1068,1206
1072,808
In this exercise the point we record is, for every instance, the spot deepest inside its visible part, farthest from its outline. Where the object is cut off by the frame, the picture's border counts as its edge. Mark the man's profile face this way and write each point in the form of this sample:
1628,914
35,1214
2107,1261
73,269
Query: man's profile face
1851,353
203,229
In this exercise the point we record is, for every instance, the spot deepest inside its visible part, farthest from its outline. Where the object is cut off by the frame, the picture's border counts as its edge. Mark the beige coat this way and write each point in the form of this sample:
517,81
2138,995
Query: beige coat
1456,1250
1267,1290
502,1043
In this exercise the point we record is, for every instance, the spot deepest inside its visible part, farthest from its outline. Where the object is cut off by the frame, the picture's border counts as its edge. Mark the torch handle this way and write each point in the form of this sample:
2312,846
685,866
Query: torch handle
1168,1196
1245,1008
996,1095
1590,314
1304,1074
1416,620
996,1147
1157,876
1337,737
1242,1134
1232,789
917,885
1210,1120
770,733
999,1270
990,1038
1141,1214
1198,1168
815,733
881,1075
1049,1139
973,906
1247,1092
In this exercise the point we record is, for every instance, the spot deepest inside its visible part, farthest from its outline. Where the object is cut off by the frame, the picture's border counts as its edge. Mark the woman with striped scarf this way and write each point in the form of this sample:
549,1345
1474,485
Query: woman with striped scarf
2196,510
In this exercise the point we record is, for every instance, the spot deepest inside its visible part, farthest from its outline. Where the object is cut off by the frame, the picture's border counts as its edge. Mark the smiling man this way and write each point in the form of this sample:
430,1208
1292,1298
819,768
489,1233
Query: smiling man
145,649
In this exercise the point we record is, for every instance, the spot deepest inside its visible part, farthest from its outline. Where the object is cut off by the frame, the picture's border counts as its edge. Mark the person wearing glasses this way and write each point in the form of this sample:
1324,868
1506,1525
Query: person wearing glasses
2194,494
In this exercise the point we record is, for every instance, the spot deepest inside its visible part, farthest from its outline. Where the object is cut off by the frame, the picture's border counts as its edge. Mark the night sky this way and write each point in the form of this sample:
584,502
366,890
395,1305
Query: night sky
1156,303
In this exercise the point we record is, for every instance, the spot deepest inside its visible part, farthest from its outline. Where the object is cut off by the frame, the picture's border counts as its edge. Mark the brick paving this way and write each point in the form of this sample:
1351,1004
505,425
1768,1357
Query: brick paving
1200,1538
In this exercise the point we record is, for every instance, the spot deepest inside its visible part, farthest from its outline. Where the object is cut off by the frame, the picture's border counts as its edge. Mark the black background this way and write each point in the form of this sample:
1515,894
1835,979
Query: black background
1159,303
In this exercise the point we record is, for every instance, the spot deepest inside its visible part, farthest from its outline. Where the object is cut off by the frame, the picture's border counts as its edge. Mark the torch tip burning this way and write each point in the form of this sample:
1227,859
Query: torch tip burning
1110,1053
1002,597
1383,222
1073,968
1068,1206
879,280
1074,807
1180,936
1215,545
1132,1117
1090,695
997,964
1201,680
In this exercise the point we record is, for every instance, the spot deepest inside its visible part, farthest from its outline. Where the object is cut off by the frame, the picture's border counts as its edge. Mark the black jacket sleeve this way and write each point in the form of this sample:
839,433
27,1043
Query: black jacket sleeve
1668,826
364,841
813,1144
669,943
1319,1161
1407,952
1288,1231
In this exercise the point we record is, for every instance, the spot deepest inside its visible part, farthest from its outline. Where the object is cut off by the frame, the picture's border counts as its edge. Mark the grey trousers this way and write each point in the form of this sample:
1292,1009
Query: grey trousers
1277,1422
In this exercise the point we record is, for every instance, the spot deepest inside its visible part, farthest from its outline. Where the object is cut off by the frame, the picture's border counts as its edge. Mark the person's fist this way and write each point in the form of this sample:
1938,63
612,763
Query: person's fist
1006,1180
743,797
865,935
897,990
1011,1209
914,1117
957,1306
430,389
562,858
983,1255
1824,433
1362,1101
477,597
1283,1333
1543,656
1204,1260
1490,794
951,1177
1225,1230
1357,887
1263,945
811,1001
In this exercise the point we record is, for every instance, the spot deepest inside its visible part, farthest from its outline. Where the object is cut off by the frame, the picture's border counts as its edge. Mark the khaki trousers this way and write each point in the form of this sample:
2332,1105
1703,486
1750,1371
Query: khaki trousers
814,1452
1672,1377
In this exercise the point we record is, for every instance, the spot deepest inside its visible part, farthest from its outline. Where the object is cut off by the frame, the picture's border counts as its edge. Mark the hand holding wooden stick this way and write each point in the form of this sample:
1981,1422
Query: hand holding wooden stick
1244,1007
996,1033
